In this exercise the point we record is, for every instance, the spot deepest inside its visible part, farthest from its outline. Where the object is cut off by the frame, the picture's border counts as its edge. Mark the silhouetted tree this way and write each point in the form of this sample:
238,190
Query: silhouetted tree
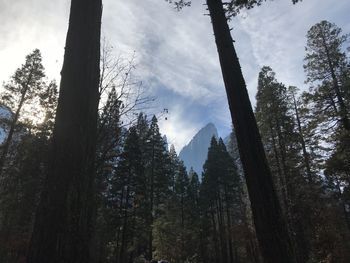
25,86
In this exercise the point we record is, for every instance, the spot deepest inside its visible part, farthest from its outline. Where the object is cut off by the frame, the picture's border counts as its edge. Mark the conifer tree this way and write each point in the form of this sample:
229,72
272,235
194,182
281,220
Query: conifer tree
325,65
24,154
24,87
157,174
254,162
221,208
125,190
273,112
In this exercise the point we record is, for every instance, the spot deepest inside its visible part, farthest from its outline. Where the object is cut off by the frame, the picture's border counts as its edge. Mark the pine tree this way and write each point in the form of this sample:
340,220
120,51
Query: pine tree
24,87
221,208
273,112
254,162
125,188
158,177
325,64
25,153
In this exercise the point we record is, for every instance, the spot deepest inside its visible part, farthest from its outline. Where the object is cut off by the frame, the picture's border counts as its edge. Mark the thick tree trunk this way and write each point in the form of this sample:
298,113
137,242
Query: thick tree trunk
270,226
62,229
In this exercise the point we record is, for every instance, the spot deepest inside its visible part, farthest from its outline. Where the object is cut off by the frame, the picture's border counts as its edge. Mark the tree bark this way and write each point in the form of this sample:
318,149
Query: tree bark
63,227
270,226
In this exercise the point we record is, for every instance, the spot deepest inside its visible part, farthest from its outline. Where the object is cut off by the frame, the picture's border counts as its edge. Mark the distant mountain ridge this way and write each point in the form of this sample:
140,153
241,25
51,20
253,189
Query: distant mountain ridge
195,153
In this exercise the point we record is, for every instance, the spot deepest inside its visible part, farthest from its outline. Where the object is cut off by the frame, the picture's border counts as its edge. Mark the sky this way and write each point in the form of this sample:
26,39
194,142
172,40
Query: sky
176,56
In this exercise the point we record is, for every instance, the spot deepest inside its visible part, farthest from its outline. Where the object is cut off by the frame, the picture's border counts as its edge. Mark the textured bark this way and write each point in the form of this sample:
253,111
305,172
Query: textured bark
63,226
270,226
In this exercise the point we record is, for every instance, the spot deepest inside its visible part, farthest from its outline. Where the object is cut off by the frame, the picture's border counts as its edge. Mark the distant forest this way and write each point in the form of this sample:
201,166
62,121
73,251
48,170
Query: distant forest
86,175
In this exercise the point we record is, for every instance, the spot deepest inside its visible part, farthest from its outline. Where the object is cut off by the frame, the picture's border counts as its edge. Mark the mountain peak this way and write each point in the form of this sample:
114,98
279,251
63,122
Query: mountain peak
195,152
209,125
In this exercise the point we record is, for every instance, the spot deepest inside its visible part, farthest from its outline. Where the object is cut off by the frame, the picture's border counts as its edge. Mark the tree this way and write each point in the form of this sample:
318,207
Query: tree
158,176
117,75
306,156
221,208
25,86
30,130
265,207
62,228
325,64
126,191
277,126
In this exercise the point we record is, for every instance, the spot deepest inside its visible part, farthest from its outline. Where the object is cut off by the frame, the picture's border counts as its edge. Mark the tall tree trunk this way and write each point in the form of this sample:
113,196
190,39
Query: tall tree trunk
215,237
302,142
221,228
280,183
150,234
270,226
183,256
63,228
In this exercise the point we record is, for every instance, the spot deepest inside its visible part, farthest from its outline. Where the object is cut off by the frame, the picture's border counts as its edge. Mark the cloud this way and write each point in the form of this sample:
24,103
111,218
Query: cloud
176,52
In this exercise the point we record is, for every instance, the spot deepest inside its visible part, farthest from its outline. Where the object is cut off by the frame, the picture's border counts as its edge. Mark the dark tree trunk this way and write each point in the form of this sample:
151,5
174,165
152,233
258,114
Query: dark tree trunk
151,219
221,228
183,256
270,226
280,183
63,226
215,237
